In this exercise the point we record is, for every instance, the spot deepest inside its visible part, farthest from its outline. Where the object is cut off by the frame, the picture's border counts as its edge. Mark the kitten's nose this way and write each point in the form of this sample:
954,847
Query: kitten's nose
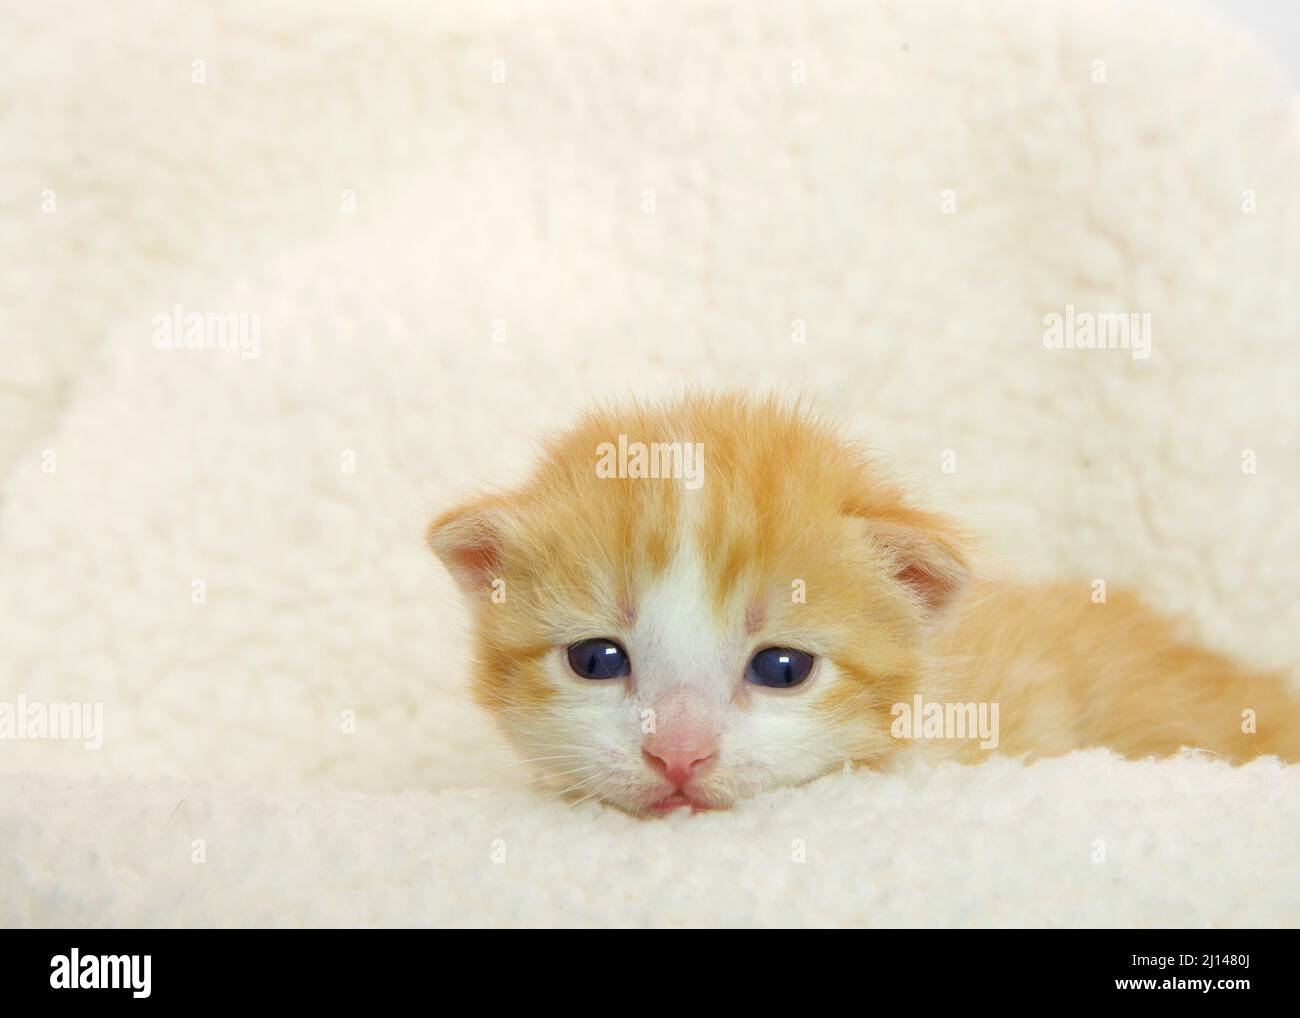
679,761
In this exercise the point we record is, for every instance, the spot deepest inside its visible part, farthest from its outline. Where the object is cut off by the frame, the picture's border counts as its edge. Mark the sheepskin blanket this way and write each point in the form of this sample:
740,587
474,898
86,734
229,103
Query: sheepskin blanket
1083,840
428,234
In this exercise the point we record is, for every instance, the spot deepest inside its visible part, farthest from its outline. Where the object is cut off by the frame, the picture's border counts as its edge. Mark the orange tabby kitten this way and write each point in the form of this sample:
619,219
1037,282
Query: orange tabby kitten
690,603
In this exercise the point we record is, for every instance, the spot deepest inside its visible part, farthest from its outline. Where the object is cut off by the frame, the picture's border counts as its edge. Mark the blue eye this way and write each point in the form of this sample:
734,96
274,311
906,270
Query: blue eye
779,667
599,659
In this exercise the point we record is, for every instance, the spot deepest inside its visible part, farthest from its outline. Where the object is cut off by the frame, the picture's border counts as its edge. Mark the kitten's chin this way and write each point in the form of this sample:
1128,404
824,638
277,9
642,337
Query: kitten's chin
649,800
654,802
663,802
676,801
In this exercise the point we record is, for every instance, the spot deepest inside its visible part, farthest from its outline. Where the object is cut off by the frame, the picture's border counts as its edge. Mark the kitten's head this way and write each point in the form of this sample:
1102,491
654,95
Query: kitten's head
746,622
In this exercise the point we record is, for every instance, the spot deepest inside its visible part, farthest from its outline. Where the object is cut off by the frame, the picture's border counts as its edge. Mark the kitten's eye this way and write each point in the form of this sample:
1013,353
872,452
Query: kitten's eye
599,659
779,667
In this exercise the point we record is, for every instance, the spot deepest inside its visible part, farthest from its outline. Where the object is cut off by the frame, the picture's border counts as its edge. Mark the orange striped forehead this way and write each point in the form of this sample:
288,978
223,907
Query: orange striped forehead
767,486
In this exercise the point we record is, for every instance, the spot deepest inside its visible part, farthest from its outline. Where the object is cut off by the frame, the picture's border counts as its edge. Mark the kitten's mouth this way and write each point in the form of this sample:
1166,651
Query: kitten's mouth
677,800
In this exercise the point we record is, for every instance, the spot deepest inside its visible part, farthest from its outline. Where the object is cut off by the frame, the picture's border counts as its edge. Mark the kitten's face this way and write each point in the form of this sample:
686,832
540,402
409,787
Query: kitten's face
657,645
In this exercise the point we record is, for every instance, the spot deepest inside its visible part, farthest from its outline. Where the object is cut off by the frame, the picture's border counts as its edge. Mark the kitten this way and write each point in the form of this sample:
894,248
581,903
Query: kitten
660,644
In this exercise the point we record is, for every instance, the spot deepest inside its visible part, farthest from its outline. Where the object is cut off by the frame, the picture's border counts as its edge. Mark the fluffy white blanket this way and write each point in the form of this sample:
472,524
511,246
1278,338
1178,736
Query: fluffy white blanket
457,224
1083,840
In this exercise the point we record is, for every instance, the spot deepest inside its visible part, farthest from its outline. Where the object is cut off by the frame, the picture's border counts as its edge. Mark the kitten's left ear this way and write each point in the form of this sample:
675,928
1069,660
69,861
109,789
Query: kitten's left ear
925,550
470,541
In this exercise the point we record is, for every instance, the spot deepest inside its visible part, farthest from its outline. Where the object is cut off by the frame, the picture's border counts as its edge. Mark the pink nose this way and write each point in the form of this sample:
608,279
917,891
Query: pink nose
680,762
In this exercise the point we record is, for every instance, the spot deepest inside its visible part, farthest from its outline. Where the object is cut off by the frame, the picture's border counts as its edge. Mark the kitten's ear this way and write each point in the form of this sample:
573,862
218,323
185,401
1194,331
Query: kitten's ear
926,552
470,541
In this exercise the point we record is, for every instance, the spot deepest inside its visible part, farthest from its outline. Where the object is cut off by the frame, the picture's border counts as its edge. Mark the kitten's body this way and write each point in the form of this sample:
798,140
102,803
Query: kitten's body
796,539
1069,674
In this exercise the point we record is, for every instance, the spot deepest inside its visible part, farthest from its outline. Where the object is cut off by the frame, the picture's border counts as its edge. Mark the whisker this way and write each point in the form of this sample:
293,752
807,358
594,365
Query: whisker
532,760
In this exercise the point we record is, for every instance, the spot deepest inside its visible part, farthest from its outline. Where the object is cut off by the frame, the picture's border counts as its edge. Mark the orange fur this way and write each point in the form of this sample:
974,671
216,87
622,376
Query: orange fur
888,607
1070,674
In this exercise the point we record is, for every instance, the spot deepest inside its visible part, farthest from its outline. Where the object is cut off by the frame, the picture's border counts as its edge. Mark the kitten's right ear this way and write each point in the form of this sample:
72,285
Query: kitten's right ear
470,541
